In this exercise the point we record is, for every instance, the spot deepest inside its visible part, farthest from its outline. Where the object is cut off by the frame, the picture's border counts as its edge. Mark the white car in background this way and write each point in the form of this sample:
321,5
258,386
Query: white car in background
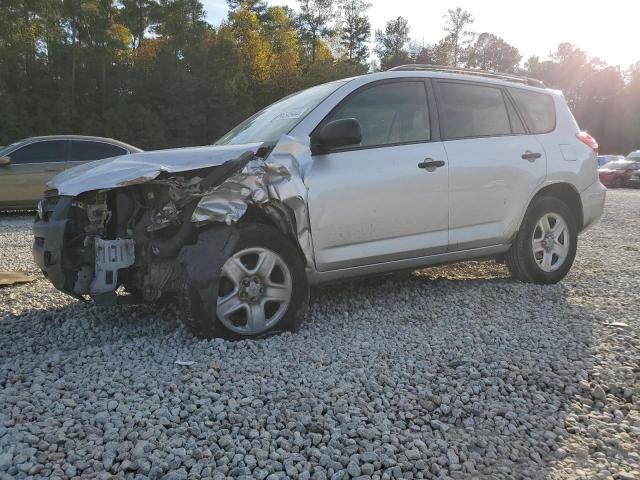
604,159
395,170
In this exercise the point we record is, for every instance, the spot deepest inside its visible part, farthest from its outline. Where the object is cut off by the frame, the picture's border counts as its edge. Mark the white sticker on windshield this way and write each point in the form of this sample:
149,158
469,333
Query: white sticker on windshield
290,114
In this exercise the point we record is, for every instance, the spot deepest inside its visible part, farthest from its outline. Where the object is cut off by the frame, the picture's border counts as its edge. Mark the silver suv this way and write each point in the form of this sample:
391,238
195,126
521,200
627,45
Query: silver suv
396,170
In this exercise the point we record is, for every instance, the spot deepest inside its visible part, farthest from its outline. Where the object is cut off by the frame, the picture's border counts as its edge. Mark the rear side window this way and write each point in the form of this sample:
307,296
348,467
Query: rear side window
84,151
389,113
537,108
468,110
40,152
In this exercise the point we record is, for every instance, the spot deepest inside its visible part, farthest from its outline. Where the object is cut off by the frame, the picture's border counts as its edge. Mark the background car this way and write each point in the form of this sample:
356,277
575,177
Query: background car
634,180
604,159
26,166
635,156
618,173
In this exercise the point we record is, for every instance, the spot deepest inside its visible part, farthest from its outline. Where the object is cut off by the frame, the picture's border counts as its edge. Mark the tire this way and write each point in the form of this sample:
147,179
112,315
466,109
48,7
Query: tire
617,183
259,243
533,263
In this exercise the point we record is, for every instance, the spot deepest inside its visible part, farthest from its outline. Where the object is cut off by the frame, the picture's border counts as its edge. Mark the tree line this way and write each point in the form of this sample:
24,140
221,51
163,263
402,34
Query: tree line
156,74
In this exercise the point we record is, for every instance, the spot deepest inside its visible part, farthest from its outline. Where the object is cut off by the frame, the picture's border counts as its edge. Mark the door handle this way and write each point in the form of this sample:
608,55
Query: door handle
531,156
430,164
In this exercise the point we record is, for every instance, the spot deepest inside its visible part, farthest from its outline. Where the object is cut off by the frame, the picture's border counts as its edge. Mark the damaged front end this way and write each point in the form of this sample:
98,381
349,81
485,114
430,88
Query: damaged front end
150,221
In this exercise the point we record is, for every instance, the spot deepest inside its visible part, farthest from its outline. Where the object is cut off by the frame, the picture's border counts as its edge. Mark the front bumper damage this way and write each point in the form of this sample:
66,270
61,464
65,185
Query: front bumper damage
49,243
144,224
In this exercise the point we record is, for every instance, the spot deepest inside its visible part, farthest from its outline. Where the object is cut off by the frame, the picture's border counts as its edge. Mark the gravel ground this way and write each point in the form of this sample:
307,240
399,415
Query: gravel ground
453,372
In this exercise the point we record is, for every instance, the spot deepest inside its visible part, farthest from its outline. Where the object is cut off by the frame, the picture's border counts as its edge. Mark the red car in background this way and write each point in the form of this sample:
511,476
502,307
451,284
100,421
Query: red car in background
618,173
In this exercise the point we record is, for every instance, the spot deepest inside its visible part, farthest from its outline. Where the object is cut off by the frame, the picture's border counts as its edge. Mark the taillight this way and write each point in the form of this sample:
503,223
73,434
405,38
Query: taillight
588,140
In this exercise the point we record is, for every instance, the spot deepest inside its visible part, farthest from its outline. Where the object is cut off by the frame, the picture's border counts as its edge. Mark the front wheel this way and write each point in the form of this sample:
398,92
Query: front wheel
545,247
262,289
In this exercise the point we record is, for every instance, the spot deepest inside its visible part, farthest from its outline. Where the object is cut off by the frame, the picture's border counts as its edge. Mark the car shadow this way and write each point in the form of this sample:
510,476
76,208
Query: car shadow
513,358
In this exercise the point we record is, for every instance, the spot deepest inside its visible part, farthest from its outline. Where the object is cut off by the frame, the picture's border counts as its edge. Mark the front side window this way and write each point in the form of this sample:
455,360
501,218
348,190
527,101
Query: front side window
85,151
537,108
39,152
389,113
469,110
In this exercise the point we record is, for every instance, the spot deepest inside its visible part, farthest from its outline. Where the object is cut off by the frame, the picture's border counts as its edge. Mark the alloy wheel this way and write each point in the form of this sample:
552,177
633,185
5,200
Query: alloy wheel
550,242
255,291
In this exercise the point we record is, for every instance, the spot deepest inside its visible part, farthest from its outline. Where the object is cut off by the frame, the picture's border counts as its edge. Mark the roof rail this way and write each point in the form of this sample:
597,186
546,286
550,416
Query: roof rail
469,71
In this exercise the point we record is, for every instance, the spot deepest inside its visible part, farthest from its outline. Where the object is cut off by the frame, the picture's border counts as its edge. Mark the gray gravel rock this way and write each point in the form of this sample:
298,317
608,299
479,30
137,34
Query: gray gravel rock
450,372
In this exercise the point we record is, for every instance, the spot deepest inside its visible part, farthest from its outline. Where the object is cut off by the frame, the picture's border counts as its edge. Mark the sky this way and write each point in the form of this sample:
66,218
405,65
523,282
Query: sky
608,30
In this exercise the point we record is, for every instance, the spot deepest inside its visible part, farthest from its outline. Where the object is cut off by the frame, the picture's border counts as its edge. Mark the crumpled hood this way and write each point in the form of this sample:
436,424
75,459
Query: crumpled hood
144,166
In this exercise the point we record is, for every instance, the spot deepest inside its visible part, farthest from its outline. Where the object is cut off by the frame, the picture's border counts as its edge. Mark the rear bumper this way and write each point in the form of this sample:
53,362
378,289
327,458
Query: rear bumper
593,199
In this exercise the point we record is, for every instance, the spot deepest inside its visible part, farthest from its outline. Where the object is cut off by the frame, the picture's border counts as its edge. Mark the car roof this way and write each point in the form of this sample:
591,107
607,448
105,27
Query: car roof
467,76
77,137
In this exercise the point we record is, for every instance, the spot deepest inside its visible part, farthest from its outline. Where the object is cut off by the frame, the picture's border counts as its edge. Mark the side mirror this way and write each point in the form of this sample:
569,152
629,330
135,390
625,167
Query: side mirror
335,134
4,161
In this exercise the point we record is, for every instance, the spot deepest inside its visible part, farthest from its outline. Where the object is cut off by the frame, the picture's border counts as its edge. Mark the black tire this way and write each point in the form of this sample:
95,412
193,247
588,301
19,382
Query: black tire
520,258
617,183
203,322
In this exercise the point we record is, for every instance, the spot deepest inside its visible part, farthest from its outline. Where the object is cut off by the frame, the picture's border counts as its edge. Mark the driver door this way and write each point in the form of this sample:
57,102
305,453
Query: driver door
384,199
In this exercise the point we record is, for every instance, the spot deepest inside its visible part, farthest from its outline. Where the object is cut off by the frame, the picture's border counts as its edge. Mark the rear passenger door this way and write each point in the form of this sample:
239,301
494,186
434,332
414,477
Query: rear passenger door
494,165
83,151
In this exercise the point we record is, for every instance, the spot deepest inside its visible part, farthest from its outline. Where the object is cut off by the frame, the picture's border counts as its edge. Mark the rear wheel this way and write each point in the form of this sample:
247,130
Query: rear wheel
617,182
262,289
546,244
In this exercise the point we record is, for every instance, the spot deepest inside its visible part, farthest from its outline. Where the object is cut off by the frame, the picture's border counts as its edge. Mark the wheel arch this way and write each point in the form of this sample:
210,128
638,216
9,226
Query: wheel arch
279,216
565,192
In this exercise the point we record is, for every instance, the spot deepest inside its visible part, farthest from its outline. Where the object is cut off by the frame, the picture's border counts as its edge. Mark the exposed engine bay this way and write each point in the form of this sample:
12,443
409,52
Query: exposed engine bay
142,233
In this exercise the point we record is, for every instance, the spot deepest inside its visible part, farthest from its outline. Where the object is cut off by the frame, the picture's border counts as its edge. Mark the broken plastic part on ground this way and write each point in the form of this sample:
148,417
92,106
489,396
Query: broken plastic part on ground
12,278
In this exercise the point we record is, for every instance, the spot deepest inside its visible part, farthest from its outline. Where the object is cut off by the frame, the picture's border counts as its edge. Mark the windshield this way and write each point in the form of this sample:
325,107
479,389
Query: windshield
278,118
616,165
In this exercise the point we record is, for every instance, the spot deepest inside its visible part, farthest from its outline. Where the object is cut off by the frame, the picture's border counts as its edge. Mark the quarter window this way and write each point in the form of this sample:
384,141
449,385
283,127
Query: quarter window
537,108
40,152
84,151
389,113
468,110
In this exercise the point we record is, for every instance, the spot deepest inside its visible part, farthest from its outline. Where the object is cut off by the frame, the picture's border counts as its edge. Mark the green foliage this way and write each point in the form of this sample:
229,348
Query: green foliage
314,24
154,73
458,37
355,30
490,52
602,102
392,43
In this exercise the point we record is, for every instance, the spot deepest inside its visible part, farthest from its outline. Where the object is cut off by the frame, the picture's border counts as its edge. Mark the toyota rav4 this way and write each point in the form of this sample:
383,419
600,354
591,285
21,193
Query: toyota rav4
402,169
